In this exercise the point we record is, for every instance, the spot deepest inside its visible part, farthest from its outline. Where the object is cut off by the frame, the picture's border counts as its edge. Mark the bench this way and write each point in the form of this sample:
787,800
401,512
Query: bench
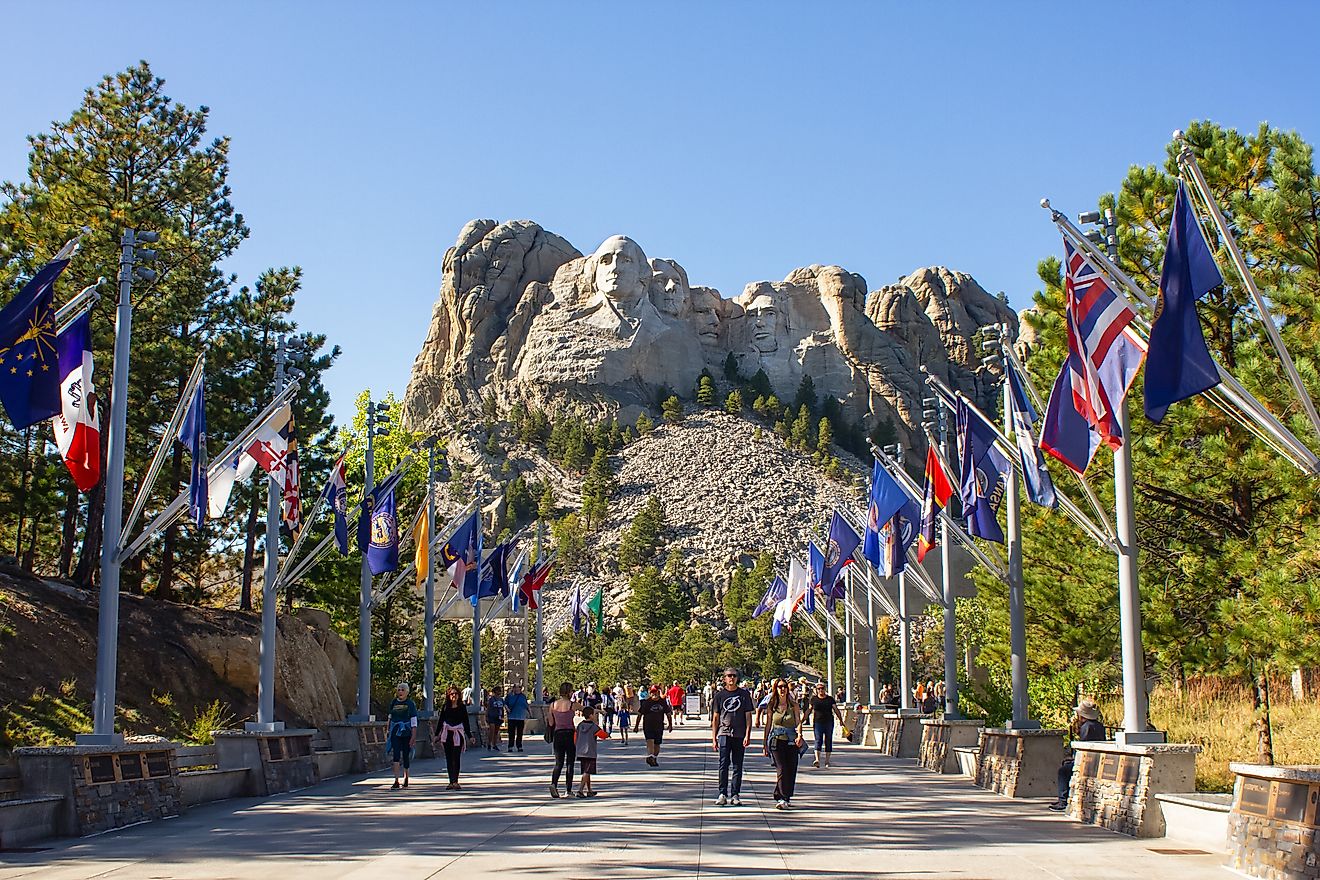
24,820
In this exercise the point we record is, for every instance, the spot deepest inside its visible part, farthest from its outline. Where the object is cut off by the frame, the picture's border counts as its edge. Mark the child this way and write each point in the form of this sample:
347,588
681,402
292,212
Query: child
588,731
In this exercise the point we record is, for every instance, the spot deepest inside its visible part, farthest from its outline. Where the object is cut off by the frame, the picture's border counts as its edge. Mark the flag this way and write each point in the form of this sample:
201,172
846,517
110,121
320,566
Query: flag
934,498
221,480
268,446
29,361
192,434
887,498
816,568
289,483
596,608
531,584
459,553
1104,356
1040,488
984,470
799,586
495,571
335,494
422,553
581,608
838,552
78,425
777,590
1180,365
378,528
1065,433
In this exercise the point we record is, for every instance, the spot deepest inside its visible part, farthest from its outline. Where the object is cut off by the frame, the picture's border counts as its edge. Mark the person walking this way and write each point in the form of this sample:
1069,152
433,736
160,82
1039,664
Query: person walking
561,727
783,741
494,718
731,732
652,715
606,710
1085,726
627,699
587,733
675,695
403,732
824,709
517,708
453,733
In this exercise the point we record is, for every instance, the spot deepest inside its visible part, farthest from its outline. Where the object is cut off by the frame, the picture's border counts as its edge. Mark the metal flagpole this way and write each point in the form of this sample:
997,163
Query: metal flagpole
107,643
904,644
476,601
374,411
1017,613
266,669
1129,594
848,645
428,635
872,661
540,645
940,417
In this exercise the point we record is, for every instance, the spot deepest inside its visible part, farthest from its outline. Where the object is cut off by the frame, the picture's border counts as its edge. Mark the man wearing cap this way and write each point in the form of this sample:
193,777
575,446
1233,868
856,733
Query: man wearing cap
731,731
1086,726
653,714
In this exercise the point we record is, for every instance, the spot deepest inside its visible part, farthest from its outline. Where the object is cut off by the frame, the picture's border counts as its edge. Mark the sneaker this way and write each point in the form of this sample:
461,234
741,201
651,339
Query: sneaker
1057,807
396,784
591,793
781,805
582,794
815,762
788,804
735,801
405,783
721,801
554,791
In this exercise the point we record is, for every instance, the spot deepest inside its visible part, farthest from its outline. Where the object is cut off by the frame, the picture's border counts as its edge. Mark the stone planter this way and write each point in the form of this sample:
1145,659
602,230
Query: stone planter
1114,785
366,738
279,760
1274,825
899,735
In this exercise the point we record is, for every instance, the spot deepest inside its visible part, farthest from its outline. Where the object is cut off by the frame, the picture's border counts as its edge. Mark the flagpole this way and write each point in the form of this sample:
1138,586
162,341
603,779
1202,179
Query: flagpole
1129,594
364,581
540,646
266,664
428,634
848,645
107,639
476,602
946,581
904,645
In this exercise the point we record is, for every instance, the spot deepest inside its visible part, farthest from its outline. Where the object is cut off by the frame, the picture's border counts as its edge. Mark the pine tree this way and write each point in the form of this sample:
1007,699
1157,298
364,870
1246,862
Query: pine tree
825,437
760,384
642,539
644,424
733,404
802,433
545,507
672,410
731,372
806,394
705,391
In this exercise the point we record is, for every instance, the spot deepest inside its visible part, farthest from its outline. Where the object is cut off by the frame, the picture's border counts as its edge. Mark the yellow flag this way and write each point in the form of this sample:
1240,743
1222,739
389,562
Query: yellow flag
422,540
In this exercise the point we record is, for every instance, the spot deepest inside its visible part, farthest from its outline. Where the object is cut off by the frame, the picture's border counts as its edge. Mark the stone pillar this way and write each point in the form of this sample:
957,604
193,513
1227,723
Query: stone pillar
941,736
280,760
1274,825
1020,763
366,738
1114,785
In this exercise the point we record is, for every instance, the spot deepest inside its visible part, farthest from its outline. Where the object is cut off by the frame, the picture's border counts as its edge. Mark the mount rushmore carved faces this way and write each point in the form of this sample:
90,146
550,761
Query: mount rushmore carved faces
620,271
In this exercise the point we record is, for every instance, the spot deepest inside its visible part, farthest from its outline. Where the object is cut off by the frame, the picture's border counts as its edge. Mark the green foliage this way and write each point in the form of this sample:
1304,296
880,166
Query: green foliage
803,432
570,537
545,506
672,410
806,394
733,404
597,489
655,602
731,372
644,424
705,391
824,437
46,719
642,540
200,730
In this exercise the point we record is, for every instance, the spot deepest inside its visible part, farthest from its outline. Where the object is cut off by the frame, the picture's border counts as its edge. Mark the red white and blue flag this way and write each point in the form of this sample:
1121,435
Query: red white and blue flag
1103,359
78,424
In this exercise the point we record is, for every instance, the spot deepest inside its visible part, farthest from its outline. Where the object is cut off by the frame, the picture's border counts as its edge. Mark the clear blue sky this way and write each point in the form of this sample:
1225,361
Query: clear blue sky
742,139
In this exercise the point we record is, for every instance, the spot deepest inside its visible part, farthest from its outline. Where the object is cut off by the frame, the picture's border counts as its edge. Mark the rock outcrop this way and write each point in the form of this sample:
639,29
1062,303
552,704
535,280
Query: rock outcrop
523,316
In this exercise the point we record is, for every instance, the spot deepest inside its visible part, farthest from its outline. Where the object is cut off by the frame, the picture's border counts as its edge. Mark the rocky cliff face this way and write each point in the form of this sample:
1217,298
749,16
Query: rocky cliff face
524,316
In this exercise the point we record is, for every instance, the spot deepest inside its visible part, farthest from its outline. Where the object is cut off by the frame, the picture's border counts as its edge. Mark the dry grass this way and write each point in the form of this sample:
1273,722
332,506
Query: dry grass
1217,715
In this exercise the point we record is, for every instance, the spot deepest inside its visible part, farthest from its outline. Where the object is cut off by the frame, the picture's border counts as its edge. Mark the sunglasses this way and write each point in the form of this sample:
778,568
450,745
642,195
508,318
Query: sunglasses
781,687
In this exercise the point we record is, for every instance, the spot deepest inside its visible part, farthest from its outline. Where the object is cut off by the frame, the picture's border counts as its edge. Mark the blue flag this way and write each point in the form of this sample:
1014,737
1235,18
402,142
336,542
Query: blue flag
335,494
378,528
887,499
1040,488
1178,364
984,469
29,361
773,596
495,571
460,552
192,433
816,567
839,551
1065,433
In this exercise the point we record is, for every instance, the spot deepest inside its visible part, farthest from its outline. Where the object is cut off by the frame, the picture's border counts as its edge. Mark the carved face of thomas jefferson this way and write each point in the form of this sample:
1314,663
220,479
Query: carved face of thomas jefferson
621,270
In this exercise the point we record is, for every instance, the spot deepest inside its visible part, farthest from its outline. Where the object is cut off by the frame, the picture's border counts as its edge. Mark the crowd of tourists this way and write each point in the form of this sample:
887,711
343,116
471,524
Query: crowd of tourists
790,715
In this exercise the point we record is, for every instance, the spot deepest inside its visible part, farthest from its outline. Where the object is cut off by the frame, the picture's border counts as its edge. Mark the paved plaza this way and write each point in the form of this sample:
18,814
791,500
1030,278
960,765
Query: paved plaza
868,816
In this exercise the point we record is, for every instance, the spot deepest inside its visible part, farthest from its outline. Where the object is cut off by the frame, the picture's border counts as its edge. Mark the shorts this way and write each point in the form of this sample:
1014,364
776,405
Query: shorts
658,736
587,765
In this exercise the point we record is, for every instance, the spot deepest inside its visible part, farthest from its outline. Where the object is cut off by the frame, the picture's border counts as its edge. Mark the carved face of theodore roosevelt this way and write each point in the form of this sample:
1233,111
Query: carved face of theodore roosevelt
621,270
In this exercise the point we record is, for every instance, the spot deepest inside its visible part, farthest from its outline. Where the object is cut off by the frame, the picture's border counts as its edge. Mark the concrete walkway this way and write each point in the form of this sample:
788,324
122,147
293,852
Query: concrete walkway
868,816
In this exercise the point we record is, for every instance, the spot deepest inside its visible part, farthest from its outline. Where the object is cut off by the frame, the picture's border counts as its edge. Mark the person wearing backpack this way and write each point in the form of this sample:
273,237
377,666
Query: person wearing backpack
402,732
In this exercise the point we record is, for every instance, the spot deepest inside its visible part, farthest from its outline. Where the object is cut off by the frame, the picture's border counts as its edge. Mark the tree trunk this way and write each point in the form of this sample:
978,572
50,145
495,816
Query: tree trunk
23,493
249,551
165,585
89,560
1260,693
69,533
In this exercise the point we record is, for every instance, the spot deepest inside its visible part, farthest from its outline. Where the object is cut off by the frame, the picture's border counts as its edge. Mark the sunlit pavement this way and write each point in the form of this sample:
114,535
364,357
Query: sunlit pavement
867,816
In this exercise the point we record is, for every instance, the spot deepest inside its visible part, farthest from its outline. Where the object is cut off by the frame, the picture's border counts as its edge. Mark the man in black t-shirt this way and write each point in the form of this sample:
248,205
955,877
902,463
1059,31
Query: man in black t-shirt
731,731
652,715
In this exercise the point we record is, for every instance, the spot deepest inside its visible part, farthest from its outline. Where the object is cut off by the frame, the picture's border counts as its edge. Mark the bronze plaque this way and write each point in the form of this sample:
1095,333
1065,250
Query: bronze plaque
299,746
275,748
100,769
1109,768
1086,764
1129,771
1290,801
130,766
158,764
1254,797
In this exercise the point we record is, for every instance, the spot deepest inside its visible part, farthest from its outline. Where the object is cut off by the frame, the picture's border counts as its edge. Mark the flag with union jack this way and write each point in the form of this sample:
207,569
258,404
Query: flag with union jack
1104,355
